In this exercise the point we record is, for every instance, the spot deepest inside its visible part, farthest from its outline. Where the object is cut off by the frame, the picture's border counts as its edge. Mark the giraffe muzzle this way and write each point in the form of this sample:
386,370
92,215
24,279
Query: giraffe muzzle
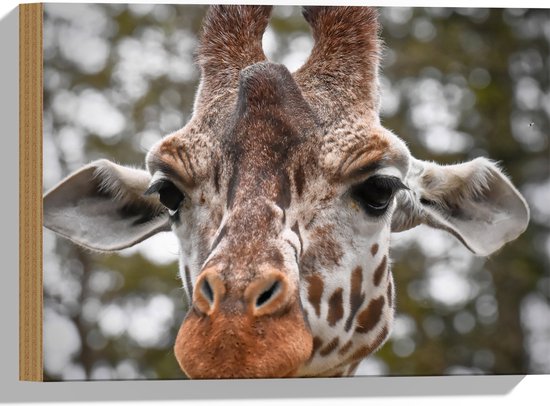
257,330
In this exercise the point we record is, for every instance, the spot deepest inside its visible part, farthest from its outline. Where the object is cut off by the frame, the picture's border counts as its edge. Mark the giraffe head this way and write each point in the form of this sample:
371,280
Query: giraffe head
283,191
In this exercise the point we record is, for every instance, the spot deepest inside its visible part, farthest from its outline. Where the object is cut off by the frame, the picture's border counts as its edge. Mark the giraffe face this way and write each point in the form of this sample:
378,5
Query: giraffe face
282,230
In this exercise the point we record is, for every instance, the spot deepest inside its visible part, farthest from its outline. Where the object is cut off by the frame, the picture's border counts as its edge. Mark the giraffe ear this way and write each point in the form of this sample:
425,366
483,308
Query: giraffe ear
102,207
474,201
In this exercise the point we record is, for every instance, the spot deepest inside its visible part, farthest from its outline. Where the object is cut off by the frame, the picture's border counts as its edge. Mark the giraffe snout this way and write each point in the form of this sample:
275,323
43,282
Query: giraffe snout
249,327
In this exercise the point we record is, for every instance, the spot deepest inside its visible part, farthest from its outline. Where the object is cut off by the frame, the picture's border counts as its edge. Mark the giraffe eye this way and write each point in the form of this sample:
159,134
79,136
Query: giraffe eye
169,195
376,193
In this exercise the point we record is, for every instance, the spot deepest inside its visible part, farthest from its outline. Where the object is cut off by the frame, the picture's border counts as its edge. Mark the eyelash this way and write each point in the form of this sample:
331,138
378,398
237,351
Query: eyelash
169,195
376,193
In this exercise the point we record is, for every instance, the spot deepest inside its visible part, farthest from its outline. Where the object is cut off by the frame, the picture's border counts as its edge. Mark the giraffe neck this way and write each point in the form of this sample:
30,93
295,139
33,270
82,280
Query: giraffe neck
350,310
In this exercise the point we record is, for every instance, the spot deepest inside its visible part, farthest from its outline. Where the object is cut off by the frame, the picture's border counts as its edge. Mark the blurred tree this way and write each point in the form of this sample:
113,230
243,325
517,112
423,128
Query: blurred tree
457,83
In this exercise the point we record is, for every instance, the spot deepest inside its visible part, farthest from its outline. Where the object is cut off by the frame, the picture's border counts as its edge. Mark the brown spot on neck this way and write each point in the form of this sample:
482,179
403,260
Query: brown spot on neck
335,307
380,271
315,291
357,297
317,343
374,249
369,318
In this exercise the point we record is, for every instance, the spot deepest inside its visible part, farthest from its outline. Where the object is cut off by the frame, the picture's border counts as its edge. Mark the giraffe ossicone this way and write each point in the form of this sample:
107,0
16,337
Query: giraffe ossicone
283,190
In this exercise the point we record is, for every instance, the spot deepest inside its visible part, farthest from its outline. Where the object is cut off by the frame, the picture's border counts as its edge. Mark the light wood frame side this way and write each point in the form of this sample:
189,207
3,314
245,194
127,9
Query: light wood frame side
30,192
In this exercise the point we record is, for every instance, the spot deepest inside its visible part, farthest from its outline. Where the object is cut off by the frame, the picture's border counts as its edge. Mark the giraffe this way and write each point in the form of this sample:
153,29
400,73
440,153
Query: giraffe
283,190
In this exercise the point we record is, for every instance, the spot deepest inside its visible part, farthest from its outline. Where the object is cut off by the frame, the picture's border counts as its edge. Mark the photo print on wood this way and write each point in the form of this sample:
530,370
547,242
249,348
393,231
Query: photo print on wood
267,192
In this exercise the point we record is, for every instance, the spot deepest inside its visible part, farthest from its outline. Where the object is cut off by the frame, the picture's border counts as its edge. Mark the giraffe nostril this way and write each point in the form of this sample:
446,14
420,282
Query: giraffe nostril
267,294
209,291
206,290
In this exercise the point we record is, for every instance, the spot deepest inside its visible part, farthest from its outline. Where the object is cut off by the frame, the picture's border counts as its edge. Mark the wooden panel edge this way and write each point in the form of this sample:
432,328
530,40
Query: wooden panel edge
30,193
